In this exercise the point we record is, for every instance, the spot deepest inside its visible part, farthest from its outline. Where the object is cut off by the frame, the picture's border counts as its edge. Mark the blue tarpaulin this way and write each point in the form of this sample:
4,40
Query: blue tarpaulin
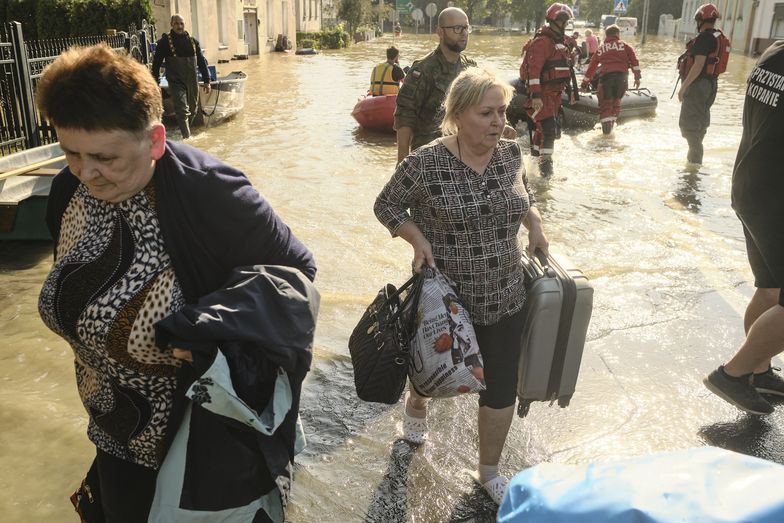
701,485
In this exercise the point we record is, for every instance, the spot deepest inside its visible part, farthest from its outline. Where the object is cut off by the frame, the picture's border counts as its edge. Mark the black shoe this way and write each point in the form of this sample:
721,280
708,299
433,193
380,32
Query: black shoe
769,382
607,127
546,166
739,392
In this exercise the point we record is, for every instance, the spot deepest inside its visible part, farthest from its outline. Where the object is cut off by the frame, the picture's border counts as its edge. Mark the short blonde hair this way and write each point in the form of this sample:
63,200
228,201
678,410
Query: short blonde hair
467,90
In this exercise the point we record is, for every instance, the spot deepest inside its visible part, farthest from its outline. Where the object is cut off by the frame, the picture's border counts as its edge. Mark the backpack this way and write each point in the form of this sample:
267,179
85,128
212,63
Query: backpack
716,62
723,54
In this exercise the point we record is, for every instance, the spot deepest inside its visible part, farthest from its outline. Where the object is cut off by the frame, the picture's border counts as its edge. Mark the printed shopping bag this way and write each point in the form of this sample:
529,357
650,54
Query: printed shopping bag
445,359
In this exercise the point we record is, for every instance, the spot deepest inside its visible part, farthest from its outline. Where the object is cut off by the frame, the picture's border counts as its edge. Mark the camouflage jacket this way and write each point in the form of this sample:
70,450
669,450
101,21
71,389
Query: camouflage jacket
420,100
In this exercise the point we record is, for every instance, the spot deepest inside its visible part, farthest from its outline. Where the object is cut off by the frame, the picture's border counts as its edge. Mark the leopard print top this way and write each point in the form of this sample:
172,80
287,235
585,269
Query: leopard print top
111,281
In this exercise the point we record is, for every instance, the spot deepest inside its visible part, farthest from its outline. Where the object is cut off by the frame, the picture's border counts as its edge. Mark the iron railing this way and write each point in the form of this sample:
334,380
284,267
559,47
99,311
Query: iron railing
21,65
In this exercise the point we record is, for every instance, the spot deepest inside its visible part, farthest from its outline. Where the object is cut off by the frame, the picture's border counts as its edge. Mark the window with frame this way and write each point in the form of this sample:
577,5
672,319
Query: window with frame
221,25
777,26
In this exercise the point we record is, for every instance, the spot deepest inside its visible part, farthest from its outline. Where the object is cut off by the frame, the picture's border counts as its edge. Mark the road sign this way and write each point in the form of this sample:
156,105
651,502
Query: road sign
431,9
417,15
404,6
620,6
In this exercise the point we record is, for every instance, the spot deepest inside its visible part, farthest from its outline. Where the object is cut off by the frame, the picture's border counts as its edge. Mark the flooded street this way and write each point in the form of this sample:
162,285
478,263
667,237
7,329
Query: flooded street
661,246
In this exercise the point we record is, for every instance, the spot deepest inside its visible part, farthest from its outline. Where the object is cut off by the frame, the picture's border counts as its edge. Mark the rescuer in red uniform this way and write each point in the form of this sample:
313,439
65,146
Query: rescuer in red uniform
546,71
614,58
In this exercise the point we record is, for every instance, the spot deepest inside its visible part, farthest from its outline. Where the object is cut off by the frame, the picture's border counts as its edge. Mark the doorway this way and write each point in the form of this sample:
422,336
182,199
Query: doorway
251,24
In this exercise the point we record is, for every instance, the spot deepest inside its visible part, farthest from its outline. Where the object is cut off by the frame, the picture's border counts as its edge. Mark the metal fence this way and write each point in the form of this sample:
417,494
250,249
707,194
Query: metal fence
21,65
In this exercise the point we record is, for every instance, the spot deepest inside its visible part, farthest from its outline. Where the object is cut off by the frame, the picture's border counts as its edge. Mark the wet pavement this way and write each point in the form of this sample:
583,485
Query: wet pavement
660,245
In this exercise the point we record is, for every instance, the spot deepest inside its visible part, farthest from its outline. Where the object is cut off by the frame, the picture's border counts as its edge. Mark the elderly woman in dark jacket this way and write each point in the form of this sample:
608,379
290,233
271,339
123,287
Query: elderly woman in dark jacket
144,228
459,201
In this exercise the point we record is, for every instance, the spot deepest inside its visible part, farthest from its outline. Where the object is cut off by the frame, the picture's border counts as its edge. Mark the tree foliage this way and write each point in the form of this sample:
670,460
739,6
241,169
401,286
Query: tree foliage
594,9
52,18
22,11
473,8
333,38
355,13
44,19
497,9
531,11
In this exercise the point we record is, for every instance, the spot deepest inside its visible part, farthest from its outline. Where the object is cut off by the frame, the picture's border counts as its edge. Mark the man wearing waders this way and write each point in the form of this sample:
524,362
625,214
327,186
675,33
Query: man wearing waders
182,54
546,71
613,58
699,67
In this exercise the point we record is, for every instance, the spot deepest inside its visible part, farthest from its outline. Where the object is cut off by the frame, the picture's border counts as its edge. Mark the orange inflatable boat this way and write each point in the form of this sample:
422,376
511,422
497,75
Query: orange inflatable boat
376,113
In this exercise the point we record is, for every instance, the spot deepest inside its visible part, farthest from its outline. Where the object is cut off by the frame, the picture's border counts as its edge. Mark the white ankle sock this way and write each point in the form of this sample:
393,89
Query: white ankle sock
415,413
487,473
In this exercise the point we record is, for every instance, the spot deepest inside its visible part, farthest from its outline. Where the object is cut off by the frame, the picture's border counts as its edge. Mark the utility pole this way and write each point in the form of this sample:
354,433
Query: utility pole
645,11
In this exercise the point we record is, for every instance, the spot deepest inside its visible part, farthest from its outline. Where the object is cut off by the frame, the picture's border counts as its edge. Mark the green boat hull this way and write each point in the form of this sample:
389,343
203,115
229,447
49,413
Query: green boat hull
29,221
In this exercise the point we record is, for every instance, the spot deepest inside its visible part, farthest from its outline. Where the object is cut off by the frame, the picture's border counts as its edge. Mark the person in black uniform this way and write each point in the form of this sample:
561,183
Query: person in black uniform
757,193
698,90
182,55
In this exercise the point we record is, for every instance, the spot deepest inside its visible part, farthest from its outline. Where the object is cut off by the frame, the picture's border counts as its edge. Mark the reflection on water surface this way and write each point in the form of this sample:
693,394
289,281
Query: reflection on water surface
660,244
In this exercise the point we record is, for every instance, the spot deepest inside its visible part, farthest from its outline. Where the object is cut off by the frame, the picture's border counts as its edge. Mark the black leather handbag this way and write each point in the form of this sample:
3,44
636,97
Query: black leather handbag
379,344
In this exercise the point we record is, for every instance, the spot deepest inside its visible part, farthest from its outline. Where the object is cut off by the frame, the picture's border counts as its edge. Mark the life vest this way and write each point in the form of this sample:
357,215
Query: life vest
381,81
715,63
557,67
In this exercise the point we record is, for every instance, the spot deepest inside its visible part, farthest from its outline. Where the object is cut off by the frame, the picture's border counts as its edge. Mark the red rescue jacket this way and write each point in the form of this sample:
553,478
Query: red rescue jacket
546,62
615,56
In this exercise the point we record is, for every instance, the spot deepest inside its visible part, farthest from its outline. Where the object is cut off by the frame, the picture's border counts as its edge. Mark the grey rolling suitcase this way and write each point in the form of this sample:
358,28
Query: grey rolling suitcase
558,311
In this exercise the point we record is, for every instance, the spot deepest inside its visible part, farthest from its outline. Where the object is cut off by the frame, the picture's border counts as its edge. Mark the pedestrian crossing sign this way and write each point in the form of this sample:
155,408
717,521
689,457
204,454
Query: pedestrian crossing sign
620,6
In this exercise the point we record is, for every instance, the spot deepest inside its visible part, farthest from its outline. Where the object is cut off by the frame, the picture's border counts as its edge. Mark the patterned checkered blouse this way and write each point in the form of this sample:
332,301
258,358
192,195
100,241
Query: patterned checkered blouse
471,221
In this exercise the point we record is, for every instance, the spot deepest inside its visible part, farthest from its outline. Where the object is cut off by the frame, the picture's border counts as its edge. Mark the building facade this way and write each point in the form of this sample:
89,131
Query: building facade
751,25
768,24
329,13
228,28
308,15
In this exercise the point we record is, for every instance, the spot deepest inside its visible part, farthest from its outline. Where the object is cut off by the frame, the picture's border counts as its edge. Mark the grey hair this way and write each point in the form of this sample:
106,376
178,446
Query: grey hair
466,91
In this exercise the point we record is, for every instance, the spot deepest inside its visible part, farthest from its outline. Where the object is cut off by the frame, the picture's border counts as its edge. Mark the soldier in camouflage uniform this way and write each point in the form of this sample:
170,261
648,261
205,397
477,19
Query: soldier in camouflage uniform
419,110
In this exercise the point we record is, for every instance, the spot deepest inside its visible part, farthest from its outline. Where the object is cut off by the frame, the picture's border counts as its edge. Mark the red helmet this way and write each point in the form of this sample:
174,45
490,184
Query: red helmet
556,10
707,12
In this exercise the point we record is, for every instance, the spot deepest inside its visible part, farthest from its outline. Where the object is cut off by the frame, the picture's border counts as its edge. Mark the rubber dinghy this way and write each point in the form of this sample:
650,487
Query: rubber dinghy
636,103
376,113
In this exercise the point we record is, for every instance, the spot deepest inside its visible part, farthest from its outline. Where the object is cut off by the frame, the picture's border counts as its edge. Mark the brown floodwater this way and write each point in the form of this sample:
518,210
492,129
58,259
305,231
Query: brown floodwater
661,246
